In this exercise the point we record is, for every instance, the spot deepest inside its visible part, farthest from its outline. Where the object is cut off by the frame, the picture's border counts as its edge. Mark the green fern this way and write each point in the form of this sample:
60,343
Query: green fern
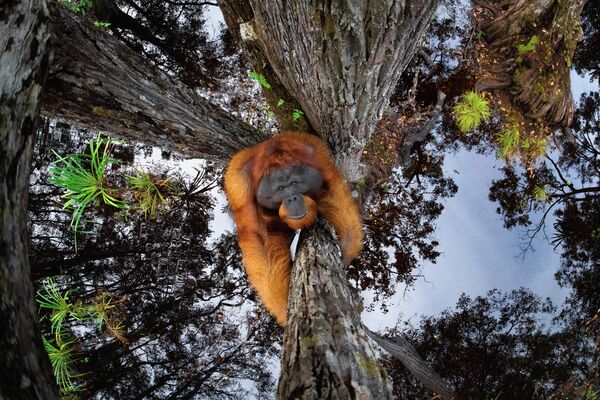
260,78
471,110
508,140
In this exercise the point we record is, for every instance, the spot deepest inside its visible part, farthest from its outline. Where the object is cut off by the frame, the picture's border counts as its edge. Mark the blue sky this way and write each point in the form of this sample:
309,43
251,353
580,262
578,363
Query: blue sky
478,253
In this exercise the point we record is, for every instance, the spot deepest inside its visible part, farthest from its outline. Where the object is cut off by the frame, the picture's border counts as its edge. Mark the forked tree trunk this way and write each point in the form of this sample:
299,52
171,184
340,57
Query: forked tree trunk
538,79
326,351
340,60
24,58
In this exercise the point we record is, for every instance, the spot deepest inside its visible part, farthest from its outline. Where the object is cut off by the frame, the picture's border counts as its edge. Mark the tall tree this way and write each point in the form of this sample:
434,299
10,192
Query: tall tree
24,61
495,346
350,54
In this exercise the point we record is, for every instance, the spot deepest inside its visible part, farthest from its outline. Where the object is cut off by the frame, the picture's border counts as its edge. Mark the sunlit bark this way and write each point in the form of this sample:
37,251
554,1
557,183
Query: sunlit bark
536,76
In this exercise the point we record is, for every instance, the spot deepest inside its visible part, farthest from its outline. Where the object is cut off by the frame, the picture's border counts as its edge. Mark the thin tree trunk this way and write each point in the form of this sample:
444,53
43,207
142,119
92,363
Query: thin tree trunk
327,354
340,60
24,58
98,82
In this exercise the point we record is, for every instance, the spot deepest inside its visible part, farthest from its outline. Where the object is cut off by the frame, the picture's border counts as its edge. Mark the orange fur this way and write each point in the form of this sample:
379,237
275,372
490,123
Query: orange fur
265,238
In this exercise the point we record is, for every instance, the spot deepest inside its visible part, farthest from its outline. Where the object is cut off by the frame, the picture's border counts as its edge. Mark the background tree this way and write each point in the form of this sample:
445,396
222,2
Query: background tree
494,346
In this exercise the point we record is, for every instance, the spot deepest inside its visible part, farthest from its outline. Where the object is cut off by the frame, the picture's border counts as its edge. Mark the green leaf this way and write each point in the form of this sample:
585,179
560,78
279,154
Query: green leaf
471,110
530,46
102,25
508,140
83,178
297,114
260,78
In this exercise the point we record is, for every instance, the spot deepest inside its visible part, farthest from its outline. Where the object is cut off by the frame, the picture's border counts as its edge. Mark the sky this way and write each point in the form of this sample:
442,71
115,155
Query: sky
478,253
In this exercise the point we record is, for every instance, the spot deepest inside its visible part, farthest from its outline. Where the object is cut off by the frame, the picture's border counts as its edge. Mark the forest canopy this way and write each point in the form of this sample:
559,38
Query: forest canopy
123,276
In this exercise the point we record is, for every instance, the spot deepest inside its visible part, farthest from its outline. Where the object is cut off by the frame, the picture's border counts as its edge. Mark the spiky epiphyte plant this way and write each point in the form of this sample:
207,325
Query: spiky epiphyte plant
471,110
540,194
148,191
62,357
49,296
508,140
83,176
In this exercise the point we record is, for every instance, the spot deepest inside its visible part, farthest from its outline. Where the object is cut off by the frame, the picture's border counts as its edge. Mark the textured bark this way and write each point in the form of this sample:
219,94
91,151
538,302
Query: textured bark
98,82
340,60
327,354
538,81
401,349
24,58
235,13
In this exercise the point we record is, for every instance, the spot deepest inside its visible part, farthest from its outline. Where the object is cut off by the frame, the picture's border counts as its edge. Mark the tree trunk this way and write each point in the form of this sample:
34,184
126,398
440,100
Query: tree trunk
340,60
235,13
537,76
327,354
24,366
98,82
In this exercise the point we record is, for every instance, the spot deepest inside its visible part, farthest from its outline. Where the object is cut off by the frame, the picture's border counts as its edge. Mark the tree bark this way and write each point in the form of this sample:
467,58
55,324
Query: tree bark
401,349
98,82
327,354
537,80
239,12
24,366
340,60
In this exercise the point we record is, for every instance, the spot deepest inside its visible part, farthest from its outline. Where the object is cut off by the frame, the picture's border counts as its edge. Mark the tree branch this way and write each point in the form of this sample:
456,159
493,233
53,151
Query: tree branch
98,82
401,349
420,135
